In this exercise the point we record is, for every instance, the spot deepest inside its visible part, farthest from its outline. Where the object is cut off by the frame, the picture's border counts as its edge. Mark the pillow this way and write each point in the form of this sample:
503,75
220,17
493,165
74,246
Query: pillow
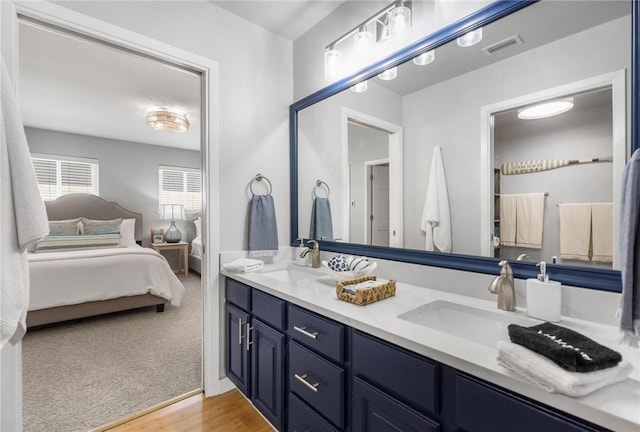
64,227
128,232
75,242
197,223
92,226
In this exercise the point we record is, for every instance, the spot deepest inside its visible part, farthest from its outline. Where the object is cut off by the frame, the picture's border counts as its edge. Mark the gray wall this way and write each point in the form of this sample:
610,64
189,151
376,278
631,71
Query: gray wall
576,134
128,171
448,114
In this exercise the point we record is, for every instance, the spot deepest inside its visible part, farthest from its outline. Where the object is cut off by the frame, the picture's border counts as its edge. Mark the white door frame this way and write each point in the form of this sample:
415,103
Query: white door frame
10,360
617,81
396,220
367,197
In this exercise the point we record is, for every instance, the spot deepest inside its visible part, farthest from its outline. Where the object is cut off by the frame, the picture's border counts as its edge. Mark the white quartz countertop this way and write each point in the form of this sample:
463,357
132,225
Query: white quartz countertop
616,407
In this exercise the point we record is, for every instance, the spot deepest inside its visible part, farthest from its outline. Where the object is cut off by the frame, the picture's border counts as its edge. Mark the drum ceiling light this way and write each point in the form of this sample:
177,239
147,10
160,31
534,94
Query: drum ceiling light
162,118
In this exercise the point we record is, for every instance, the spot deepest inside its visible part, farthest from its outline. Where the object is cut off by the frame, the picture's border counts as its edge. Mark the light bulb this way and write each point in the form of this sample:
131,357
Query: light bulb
400,19
362,38
332,64
425,58
360,87
471,38
389,74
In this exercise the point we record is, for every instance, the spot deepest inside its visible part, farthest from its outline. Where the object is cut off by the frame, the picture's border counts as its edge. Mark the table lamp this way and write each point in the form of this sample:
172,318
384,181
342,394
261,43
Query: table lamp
172,212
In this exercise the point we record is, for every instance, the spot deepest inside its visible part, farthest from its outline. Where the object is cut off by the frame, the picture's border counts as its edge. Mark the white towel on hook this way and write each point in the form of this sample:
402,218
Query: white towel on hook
436,217
23,218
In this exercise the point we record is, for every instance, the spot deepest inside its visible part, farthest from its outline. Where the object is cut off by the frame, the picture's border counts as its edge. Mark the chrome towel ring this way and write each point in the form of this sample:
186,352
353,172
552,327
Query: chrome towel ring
258,178
322,185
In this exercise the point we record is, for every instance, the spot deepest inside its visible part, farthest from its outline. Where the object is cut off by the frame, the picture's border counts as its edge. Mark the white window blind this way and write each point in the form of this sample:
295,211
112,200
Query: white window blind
180,186
58,176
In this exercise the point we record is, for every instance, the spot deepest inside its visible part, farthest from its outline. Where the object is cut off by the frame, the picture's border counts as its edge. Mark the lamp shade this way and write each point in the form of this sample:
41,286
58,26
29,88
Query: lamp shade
172,212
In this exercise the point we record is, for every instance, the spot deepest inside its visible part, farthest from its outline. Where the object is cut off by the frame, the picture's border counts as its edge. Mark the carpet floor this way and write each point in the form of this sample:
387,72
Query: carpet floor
83,374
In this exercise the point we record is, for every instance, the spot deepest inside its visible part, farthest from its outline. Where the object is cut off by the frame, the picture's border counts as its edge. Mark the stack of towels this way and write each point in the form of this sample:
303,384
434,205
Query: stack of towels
561,360
244,265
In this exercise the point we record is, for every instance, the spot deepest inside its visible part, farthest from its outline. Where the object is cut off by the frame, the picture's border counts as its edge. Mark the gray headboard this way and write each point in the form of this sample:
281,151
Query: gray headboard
91,207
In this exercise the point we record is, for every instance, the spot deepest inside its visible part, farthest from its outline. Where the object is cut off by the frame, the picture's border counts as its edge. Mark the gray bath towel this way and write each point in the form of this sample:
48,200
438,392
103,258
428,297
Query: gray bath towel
263,230
321,225
630,251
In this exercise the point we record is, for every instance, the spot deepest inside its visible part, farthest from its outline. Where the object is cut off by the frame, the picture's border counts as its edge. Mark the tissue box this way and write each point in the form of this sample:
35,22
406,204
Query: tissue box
366,296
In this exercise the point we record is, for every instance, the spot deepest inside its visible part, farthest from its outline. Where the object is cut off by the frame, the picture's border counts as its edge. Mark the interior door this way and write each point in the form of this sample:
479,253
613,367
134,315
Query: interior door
379,205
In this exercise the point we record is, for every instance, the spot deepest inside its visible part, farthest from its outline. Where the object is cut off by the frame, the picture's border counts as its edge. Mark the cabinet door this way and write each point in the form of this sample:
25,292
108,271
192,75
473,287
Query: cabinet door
267,371
237,353
375,411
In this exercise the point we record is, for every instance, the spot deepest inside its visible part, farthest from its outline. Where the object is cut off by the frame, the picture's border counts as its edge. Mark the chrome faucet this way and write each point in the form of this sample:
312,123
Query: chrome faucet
504,287
315,254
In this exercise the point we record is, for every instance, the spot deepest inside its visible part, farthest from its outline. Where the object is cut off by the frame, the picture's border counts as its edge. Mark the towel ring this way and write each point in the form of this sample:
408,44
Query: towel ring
320,184
259,178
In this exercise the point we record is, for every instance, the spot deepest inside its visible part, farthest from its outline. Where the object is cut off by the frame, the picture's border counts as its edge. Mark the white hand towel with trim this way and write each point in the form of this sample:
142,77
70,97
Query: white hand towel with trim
544,373
575,230
529,220
436,217
602,232
23,218
508,204
243,265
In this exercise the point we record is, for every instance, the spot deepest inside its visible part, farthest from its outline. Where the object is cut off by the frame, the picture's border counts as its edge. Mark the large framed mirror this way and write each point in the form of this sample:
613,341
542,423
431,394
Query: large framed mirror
449,134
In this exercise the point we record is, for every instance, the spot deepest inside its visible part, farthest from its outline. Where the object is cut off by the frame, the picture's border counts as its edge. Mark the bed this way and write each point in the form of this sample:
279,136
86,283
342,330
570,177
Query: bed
195,251
72,284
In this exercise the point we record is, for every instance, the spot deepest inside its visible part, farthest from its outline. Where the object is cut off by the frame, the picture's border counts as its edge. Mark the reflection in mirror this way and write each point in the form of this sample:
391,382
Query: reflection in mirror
466,101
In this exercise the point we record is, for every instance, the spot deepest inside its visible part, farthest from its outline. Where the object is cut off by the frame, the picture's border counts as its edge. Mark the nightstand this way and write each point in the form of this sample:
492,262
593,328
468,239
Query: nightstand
182,252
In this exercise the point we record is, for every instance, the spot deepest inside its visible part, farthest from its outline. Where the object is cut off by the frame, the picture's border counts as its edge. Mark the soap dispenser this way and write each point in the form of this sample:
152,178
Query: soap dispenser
544,297
301,261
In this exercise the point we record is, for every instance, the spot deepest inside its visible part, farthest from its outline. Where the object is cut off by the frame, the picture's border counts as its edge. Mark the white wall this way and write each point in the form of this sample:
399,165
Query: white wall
448,114
128,171
255,92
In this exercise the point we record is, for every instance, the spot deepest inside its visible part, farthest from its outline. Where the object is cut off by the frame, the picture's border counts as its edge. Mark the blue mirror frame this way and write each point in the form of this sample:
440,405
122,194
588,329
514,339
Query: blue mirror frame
606,280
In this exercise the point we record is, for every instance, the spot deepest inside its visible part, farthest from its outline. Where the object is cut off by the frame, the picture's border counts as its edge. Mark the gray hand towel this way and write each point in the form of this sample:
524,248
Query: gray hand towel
263,230
321,225
630,251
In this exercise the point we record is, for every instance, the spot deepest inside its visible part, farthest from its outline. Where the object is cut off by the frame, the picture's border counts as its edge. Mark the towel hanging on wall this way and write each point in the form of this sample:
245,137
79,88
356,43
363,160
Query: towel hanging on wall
436,216
263,229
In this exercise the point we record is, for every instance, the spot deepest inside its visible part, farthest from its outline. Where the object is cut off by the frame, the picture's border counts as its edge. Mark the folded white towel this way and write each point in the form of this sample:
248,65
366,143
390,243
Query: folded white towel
546,374
243,265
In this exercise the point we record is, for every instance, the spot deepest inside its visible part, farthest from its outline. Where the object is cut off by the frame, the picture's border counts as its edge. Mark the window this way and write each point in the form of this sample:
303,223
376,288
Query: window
180,186
61,175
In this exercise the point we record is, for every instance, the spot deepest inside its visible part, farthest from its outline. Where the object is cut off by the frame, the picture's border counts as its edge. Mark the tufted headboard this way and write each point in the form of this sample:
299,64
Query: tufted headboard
91,207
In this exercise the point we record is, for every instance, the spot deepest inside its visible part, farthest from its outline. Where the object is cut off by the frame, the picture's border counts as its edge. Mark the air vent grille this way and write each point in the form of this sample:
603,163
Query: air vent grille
503,44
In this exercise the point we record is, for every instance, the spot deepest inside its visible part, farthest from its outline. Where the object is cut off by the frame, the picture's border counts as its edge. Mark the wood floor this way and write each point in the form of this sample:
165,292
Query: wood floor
229,412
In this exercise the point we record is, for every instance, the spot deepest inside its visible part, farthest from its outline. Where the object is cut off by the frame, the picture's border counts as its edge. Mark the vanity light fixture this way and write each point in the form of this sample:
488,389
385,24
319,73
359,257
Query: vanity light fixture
162,118
390,21
425,58
546,109
389,74
471,38
360,87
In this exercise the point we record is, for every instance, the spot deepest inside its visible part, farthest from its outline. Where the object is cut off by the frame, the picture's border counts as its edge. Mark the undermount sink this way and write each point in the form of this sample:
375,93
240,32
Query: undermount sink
476,325
292,274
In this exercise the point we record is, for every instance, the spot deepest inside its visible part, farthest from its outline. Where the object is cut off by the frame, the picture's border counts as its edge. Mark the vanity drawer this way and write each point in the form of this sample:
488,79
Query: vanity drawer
404,375
318,382
268,308
304,419
238,293
324,336
480,407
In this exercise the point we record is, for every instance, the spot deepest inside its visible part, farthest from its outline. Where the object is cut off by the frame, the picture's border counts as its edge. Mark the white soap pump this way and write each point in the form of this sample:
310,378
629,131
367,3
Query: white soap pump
544,297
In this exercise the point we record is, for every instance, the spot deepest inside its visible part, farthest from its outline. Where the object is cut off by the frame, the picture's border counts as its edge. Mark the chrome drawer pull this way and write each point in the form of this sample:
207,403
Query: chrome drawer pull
302,379
240,332
248,336
304,331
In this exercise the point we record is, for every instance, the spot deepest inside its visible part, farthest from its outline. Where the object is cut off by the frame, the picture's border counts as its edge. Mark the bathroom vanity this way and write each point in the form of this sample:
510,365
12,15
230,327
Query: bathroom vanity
310,362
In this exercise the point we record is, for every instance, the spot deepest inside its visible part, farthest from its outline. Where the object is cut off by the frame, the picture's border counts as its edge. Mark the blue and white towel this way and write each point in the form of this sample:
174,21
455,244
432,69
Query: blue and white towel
321,224
630,251
263,229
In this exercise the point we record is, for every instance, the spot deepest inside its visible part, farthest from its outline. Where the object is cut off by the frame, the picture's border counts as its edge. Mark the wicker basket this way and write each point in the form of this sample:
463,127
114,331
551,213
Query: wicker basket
364,297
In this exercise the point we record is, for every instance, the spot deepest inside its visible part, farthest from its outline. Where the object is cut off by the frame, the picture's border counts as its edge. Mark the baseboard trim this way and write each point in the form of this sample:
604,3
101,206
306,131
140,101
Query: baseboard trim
155,407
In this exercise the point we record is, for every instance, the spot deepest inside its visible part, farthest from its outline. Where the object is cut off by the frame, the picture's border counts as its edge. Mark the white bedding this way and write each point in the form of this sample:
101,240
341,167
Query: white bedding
196,247
72,277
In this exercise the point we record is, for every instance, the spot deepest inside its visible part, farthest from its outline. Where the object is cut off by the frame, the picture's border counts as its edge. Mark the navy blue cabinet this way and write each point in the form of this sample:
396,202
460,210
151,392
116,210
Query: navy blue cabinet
256,350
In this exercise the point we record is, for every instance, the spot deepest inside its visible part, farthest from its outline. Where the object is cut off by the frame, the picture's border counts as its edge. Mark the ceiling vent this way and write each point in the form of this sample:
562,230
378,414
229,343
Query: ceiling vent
505,43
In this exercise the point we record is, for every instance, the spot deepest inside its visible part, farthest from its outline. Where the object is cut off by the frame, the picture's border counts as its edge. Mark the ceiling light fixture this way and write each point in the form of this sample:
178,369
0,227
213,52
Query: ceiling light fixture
425,58
162,118
360,87
471,38
545,109
390,21
389,74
